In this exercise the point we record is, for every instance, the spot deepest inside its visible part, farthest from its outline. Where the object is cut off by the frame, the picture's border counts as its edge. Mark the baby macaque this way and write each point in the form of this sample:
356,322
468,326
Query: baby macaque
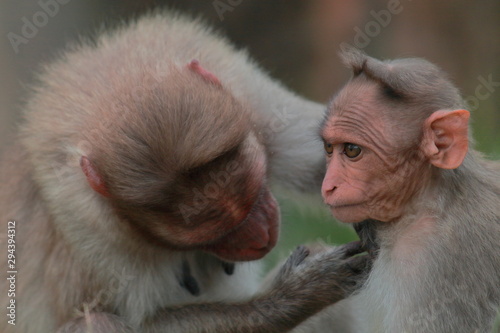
401,163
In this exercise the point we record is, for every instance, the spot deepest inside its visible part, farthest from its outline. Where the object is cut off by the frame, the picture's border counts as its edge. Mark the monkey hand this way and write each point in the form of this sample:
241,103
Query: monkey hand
367,233
320,275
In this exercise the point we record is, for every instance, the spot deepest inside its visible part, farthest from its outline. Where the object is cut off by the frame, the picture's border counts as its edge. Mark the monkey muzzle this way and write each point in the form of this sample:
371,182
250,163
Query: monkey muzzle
255,236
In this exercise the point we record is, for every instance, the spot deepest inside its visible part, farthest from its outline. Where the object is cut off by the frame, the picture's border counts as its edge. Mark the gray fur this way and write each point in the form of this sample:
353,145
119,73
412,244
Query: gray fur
447,280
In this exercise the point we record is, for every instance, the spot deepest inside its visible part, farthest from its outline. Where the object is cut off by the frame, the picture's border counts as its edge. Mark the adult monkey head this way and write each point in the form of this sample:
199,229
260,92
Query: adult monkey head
164,167
384,143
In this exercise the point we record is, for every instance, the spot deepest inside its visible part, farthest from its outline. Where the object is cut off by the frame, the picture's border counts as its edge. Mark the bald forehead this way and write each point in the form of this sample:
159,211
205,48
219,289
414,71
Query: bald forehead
355,116
356,92
354,103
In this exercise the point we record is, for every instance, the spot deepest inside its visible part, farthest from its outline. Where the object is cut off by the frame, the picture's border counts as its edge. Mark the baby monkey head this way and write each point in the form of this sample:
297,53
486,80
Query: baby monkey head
392,128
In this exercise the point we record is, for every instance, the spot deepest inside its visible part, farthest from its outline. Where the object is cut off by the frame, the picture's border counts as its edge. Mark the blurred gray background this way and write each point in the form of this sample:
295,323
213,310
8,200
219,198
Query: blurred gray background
296,42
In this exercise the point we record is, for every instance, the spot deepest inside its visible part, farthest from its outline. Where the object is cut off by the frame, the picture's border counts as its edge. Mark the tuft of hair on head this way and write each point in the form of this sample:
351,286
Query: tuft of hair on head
353,58
382,72
405,78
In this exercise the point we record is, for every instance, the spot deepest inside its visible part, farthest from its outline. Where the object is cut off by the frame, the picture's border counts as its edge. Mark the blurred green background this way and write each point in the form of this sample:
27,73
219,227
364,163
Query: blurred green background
306,220
296,42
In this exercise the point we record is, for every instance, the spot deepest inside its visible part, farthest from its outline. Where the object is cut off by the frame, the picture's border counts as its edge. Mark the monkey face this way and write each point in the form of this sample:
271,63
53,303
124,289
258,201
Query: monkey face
223,207
370,175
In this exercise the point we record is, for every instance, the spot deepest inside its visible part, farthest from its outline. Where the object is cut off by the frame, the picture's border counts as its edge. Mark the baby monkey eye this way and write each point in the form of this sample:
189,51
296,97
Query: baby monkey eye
351,150
328,148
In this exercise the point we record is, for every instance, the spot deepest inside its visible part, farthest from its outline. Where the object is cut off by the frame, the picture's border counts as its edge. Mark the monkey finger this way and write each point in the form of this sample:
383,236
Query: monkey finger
372,250
360,264
318,247
294,260
356,272
351,249
298,256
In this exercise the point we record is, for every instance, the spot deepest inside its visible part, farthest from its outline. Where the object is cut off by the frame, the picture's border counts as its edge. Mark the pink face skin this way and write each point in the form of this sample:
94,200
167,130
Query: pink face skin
367,176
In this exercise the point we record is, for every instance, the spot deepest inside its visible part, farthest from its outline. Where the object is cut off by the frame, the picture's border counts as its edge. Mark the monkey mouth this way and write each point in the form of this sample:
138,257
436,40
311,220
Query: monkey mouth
255,237
345,205
244,254
347,212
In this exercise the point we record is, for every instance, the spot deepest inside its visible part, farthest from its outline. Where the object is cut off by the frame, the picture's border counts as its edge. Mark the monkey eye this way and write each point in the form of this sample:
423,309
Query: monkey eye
351,150
328,148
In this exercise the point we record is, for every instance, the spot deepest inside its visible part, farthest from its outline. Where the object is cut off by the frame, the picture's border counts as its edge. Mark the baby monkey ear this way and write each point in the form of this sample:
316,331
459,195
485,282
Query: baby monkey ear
445,141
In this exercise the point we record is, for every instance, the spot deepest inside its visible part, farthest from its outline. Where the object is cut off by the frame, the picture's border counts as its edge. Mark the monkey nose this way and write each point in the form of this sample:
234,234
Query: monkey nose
327,190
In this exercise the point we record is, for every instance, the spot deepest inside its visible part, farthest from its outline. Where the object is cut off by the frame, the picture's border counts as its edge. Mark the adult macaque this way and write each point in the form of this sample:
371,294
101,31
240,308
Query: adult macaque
399,155
140,182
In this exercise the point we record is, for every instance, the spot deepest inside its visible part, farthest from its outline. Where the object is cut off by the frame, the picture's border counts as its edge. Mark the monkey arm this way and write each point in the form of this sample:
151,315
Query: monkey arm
303,167
305,285
260,315
288,124
98,322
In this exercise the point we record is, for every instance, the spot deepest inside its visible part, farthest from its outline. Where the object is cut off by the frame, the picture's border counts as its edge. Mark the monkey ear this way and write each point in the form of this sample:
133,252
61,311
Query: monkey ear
445,141
93,177
195,66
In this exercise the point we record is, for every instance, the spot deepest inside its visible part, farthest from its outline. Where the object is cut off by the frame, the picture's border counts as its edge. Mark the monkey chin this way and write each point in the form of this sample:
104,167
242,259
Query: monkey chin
256,236
248,254
238,246
349,213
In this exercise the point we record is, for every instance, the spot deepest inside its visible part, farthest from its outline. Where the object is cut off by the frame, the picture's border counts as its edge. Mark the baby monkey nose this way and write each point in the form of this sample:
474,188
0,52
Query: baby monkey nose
327,189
